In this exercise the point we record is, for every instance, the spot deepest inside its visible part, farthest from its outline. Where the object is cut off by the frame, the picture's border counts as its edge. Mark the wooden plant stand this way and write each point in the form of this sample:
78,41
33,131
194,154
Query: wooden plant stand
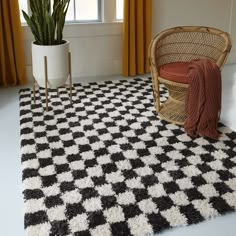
46,79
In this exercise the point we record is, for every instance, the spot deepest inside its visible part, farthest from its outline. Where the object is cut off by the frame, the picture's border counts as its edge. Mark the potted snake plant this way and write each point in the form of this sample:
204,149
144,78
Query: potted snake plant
46,22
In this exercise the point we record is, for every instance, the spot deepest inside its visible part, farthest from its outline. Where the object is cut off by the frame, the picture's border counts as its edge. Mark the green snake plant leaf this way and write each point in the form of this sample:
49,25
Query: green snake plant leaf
50,29
32,26
46,26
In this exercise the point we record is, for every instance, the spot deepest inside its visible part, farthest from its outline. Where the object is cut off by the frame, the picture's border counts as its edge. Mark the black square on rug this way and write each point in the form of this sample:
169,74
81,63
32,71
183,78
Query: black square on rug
107,165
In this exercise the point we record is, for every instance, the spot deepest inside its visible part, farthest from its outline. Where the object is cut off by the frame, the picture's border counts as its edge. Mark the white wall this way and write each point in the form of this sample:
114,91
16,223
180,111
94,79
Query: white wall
214,13
97,48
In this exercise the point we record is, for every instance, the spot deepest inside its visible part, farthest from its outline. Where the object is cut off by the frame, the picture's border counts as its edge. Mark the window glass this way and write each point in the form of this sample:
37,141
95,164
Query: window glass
86,10
23,5
119,9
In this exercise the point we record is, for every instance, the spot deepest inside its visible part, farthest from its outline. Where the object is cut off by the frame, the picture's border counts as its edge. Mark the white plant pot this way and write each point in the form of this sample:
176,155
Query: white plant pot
57,64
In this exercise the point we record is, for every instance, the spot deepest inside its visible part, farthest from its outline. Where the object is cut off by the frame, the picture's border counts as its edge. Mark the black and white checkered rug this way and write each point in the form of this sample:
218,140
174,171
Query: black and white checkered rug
109,166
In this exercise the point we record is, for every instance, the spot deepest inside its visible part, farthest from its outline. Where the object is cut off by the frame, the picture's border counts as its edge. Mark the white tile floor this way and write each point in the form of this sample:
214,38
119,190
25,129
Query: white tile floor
11,202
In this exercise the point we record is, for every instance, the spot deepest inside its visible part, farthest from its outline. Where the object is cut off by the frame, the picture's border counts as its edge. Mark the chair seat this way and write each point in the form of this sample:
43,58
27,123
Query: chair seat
176,72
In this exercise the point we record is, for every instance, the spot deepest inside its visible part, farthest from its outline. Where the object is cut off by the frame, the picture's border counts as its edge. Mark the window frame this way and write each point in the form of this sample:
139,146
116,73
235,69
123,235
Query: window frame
106,13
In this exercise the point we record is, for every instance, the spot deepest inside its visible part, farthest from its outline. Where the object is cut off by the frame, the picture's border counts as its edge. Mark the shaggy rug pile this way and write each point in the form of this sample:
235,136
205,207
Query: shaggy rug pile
107,165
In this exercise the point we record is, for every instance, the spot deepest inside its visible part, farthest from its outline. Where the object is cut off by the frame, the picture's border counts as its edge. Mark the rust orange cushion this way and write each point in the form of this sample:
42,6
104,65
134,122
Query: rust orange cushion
176,72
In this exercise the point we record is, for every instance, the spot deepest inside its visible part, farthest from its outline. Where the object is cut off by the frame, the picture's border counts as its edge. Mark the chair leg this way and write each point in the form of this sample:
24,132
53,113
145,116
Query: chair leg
156,92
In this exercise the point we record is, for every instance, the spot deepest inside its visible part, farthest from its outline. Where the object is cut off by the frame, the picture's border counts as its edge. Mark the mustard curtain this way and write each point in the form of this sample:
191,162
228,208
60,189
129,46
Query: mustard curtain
12,65
137,32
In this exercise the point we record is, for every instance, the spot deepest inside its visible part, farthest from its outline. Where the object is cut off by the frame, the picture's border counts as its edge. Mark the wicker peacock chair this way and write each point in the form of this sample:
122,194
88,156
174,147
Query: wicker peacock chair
181,45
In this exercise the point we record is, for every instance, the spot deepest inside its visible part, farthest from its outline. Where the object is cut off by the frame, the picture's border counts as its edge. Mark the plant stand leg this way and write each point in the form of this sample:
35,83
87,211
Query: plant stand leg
34,88
70,76
46,80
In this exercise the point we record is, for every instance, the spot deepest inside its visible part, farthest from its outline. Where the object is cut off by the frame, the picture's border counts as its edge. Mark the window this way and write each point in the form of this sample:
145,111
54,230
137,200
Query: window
87,10
84,10
78,11
23,5
119,9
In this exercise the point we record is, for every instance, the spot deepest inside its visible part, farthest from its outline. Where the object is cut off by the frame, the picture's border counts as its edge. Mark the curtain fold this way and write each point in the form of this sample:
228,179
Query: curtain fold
137,30
12,64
